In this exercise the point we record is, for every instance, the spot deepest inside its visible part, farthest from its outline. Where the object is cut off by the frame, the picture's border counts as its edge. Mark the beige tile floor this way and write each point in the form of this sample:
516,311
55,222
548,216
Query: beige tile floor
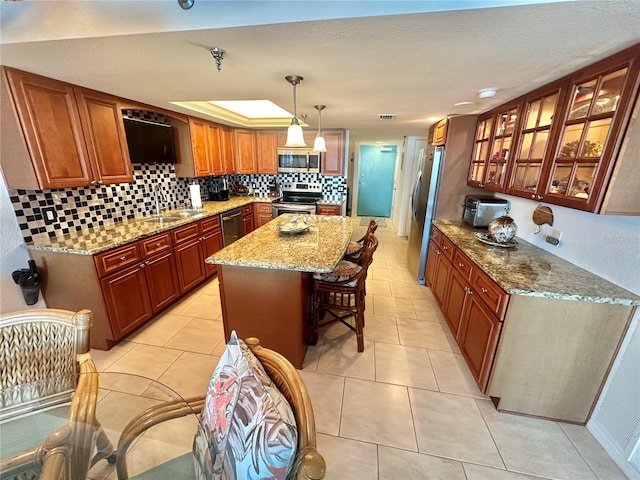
405,408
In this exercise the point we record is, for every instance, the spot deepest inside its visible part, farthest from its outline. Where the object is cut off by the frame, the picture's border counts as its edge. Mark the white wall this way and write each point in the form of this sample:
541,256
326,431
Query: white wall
12,256
608,246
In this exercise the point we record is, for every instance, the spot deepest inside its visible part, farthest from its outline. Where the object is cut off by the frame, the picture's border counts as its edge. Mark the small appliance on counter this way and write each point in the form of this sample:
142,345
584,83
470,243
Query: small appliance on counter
218,189
480,211
274,190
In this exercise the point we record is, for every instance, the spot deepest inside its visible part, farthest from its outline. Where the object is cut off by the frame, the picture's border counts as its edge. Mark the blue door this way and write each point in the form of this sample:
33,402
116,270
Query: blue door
377,168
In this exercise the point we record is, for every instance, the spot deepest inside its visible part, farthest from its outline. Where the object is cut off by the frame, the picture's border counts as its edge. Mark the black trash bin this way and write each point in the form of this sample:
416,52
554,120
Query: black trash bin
29,281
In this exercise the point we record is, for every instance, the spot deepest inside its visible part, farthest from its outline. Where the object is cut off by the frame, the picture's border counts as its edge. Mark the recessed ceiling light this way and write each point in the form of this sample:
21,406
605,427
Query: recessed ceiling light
487,92
461,104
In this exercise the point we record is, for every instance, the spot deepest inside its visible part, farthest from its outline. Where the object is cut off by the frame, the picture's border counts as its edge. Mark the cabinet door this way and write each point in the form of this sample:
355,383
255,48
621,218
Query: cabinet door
198,132
478,339
480,155
52,128
534,141
126,297
443,271
328,210
332,161
228,151
162,280
455,301
247,219
432,264
211,242
214,149
105,137
505,121
266,147
190,264
598,108
440,133
245,151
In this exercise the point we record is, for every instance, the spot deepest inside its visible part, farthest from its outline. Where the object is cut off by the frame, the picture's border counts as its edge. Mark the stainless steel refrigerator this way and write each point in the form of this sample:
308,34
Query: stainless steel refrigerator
424,195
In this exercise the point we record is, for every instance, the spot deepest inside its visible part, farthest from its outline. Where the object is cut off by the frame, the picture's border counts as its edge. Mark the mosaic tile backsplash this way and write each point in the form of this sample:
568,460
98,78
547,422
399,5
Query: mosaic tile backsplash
97,206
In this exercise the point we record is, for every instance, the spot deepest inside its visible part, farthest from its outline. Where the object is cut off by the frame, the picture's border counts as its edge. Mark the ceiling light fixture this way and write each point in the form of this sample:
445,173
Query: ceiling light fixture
319,144
218,55
186,4
487,93
294,132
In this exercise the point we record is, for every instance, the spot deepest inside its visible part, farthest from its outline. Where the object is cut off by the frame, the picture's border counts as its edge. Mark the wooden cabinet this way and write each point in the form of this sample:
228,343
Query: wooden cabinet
332,161
247,219
59,135
245,150
211,241
214,146
439,133
162,281
198,134
573,145
189,255
262,213
267,151
206,153
328,209
228,150
438,268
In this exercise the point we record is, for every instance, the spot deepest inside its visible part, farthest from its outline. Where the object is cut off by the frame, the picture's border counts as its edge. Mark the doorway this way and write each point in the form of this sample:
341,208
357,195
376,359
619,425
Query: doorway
376,176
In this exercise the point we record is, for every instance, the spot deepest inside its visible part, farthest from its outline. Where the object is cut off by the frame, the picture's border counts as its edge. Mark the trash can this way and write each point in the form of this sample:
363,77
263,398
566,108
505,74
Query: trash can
29,281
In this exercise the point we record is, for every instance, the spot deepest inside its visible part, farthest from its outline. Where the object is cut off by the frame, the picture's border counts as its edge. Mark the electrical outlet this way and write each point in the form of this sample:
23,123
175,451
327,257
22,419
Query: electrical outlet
49,215
554,238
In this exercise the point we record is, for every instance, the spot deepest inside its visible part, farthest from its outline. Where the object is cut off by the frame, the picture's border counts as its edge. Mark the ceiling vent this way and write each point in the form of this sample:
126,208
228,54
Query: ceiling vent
386,116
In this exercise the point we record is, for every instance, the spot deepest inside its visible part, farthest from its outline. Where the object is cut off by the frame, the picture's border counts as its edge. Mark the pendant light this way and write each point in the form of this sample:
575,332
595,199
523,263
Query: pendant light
294,132
319,144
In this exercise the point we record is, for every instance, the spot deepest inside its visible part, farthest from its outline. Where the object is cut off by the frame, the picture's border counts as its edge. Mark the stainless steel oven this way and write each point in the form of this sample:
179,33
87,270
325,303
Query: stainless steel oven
297,197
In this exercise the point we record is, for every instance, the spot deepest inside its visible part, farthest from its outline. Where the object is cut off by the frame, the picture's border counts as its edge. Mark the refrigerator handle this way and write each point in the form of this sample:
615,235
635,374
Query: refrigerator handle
415,196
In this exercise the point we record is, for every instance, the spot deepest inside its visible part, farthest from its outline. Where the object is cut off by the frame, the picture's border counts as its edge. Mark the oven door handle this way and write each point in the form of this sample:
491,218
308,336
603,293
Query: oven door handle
224,219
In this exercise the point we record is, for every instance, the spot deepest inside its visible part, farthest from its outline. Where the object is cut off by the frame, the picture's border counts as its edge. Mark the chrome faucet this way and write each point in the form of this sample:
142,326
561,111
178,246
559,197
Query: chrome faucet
158,199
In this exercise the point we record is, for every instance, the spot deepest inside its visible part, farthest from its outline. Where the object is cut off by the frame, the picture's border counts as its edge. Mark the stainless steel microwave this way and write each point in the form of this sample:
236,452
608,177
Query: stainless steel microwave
298,160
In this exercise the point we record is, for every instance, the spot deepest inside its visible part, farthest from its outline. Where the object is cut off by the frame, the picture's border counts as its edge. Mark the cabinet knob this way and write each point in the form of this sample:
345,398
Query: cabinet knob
438,252
460,264
123,258
142,265
538,197
483,290
481,185
533,197
93,182
158,244
444,248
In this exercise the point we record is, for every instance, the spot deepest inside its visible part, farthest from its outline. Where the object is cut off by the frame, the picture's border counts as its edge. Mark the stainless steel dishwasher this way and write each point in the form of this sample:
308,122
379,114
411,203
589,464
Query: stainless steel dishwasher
231,226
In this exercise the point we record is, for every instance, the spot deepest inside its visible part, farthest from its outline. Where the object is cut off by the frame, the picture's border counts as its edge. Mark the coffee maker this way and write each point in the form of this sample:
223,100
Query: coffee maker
274,191
218,189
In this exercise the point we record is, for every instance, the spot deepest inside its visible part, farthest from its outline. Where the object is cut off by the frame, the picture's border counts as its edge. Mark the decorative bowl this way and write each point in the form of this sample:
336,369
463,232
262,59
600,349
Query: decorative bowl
503,229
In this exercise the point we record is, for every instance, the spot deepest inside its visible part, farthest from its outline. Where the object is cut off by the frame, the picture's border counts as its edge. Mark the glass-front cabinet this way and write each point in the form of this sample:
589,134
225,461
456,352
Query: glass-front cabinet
480,151
592,123
534,141
505,120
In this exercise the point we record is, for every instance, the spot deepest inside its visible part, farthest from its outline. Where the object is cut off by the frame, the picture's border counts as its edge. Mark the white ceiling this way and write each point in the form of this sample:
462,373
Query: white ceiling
360,58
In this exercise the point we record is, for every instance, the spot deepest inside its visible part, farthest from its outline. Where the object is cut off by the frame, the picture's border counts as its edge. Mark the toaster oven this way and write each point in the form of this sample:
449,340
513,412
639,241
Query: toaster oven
480,211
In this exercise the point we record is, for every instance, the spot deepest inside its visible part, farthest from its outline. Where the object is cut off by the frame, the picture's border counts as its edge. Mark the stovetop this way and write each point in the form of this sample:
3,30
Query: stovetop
300,192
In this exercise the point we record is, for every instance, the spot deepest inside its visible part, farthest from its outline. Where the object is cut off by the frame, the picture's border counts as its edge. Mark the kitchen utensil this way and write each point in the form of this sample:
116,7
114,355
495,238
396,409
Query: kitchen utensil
541,216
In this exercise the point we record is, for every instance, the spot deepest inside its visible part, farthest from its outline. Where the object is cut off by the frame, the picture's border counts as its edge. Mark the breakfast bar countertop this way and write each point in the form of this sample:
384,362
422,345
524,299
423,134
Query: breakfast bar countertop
531,271
317,250
100,239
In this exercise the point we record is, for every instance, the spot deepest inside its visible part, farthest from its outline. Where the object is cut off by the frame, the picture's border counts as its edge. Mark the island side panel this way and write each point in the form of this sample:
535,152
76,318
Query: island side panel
273,305
554,356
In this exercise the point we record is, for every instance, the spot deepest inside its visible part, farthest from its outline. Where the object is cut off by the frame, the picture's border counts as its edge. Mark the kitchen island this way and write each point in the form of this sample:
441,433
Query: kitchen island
265,280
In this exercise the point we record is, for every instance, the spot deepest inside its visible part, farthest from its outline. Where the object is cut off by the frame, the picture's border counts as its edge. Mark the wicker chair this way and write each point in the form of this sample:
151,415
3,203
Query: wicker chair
344,298
45,360
354,250
308,464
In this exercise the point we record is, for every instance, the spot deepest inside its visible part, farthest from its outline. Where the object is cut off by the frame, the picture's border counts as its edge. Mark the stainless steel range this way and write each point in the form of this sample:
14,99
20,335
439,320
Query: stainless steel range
298,197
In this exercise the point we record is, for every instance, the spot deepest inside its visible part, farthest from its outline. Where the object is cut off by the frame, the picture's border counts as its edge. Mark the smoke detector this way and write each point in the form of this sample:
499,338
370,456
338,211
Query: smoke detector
386,116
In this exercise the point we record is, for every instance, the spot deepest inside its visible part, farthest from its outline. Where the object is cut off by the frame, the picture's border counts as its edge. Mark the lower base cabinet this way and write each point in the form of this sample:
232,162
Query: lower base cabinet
262,213
162,280
328,209
190,264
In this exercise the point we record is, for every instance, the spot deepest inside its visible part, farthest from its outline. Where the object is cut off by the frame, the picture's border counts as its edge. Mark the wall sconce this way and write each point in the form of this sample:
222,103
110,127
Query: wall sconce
294,132
319,144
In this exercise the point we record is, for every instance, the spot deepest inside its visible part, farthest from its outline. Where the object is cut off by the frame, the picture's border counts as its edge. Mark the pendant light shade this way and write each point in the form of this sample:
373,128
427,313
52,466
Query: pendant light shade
294,132
319,144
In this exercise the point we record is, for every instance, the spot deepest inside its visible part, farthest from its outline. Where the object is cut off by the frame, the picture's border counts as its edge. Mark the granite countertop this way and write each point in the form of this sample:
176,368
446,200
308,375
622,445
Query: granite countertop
97,240
327,201
317,250
530,271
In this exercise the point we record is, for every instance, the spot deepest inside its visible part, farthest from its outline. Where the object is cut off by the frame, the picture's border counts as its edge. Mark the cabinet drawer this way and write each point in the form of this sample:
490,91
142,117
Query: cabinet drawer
155,244
328,210
117,258
491,294
185,233
247,210
436,236
447,247
263,207
211,223
462,263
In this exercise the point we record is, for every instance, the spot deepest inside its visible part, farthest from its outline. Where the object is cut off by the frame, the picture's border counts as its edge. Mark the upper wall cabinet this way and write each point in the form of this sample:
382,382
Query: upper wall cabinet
55,135
245,150
332,161
267,151
567,147
202,151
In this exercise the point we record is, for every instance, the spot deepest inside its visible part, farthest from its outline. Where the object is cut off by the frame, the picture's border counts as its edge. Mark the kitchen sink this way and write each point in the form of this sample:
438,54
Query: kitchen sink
186,212
164,218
